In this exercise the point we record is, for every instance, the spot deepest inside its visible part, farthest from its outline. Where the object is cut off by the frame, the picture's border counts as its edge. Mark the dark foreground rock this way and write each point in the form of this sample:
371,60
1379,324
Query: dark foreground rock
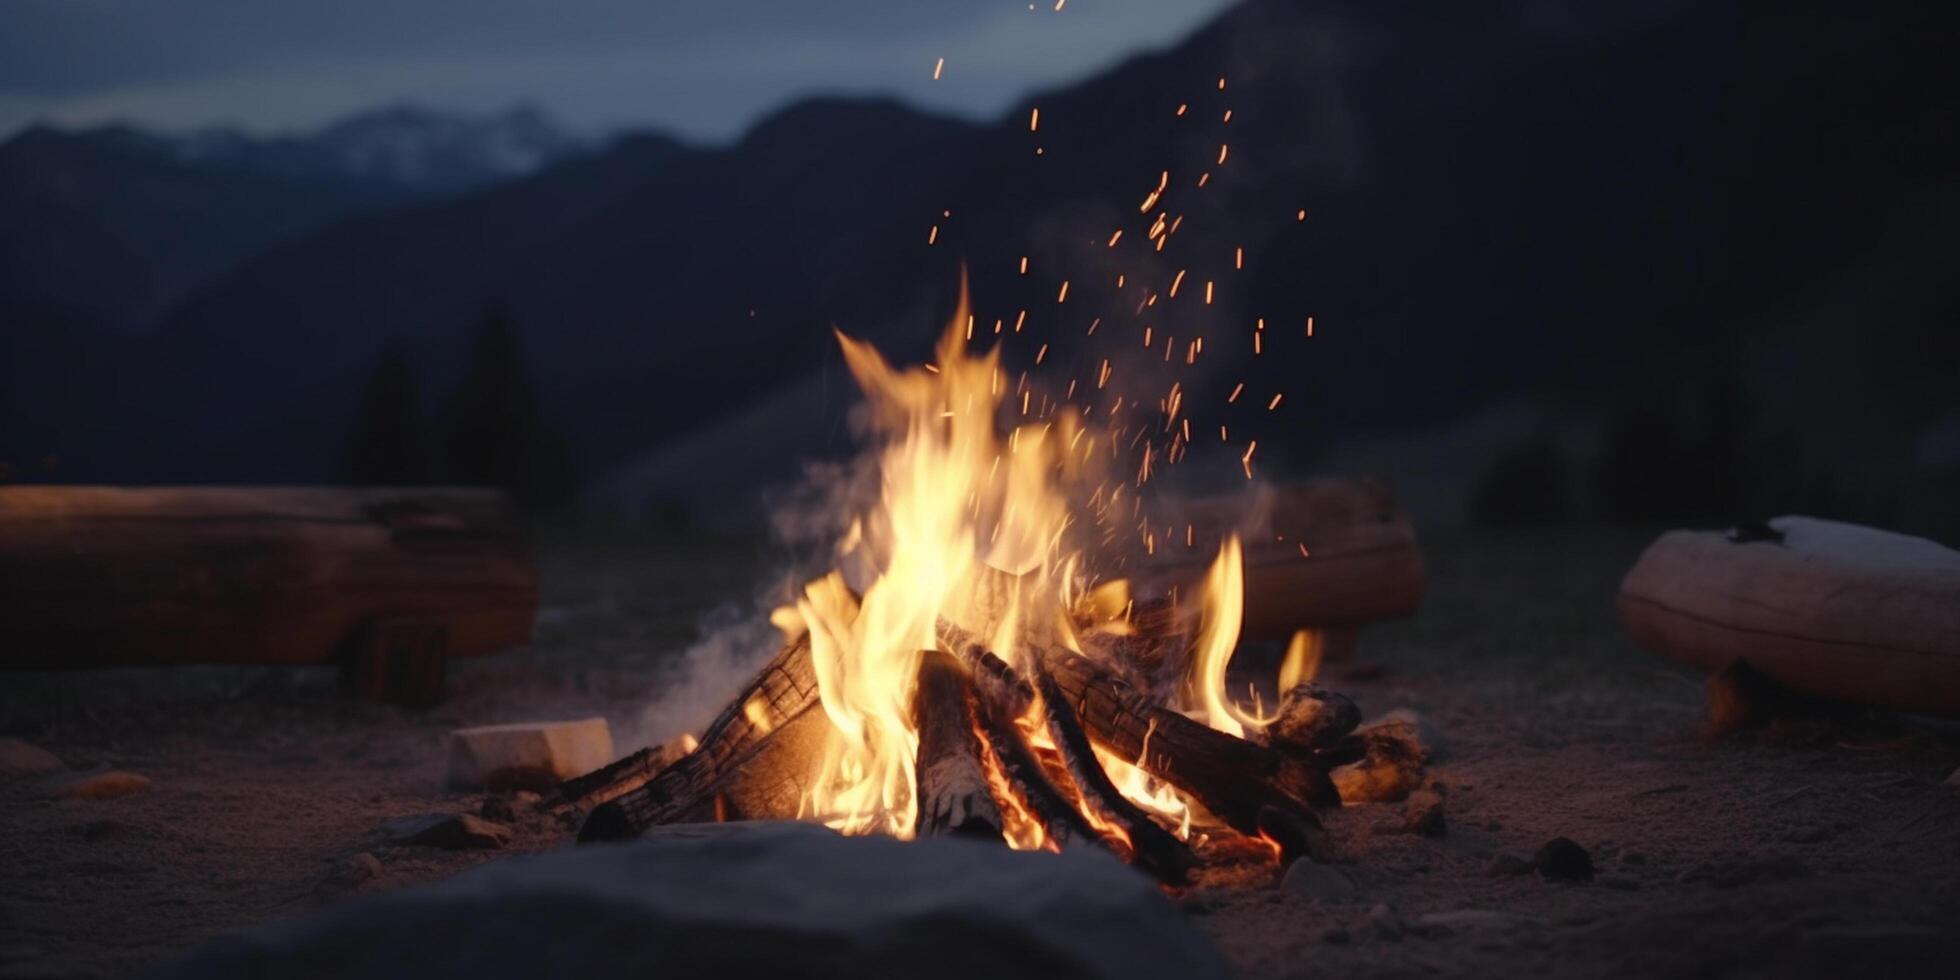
741,900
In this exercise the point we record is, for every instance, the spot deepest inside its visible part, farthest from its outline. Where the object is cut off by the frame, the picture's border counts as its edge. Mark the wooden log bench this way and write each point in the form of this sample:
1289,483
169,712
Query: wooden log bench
386,583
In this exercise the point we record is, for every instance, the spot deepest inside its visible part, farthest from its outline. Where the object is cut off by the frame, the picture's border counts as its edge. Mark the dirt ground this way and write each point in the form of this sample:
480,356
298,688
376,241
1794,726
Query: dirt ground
1811,849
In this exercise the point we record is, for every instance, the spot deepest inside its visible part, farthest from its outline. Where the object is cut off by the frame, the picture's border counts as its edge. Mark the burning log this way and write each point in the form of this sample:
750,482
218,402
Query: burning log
1155,849
1311,718
1050,807
954,796
754,760
1231,777
619,778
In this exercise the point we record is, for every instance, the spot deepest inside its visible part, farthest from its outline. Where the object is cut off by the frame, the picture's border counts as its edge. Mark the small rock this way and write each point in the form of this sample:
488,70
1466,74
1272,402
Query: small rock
1389,770
1319,882
1423,814
450,831
359,868
1427,735
530,755
1562,860
18,758
1384,923
104,786
1506,865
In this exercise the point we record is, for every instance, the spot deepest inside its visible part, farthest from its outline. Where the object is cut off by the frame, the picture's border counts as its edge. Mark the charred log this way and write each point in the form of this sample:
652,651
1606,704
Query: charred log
755,758
1156,849
1231,777
1048,804
954,796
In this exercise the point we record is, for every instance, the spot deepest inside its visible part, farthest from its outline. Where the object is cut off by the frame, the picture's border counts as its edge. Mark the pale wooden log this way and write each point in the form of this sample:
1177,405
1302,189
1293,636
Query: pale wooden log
103,576
756,760
954,796
1831,610
526,755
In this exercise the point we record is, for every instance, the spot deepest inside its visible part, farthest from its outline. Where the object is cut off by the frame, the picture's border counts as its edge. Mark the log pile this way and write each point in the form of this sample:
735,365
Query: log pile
980,771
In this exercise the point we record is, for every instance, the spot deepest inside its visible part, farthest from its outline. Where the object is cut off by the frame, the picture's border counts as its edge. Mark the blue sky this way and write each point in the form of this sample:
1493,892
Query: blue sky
704,69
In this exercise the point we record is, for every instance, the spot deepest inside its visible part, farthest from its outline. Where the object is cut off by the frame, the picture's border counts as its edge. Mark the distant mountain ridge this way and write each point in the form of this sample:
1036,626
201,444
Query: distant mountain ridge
396,151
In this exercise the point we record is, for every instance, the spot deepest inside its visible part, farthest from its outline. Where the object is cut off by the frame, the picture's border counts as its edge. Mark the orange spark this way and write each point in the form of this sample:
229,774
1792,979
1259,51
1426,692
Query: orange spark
1238,257
938,67
1269,405
1222,150
1024,265
933,235
1034,119
1063,296
1177,281
1246,460
1207,292
1113,239
1234,396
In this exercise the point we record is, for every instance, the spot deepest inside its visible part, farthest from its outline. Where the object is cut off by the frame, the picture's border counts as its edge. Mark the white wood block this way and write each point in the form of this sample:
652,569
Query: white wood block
527,755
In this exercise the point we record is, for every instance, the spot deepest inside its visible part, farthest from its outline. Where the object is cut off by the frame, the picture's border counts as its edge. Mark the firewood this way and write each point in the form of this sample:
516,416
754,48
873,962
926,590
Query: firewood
954,797
618,778
1155,849
1231,777
1311,717
1049,805
754,761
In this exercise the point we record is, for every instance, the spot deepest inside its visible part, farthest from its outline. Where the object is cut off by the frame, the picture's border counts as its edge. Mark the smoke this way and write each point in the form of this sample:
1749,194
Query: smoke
735,643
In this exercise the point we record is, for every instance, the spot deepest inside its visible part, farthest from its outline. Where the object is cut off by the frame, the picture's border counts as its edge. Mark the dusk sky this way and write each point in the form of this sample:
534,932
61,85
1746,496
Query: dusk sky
702,69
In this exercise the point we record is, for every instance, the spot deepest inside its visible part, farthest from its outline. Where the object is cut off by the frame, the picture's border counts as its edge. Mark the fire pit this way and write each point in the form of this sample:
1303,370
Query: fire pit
977,664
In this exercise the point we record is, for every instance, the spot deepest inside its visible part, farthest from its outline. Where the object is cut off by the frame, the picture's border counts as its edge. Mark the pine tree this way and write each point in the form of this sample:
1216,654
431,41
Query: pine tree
495,432
385,447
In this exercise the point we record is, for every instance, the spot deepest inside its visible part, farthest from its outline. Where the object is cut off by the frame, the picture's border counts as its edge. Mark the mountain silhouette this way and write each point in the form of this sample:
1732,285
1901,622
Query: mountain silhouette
1498,200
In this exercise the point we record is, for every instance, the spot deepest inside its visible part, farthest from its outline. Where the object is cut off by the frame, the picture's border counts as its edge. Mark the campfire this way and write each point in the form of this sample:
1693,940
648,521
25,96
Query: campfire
977,664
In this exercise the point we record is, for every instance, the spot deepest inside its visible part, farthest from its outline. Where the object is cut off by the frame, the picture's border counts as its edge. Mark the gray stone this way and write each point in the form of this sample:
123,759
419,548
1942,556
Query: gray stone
1319,882
452,831
757,900
18,758
1423,814
359,868
1562,860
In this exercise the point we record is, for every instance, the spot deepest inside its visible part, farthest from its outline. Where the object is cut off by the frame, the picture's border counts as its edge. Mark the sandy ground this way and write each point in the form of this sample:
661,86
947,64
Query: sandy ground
1812,849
